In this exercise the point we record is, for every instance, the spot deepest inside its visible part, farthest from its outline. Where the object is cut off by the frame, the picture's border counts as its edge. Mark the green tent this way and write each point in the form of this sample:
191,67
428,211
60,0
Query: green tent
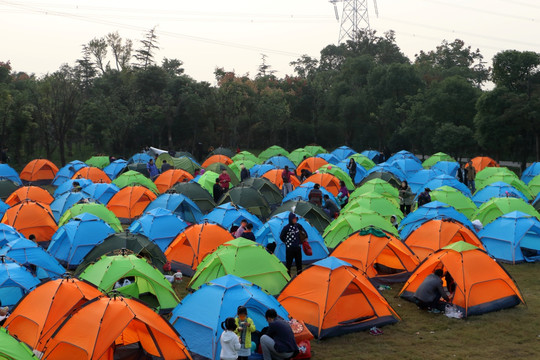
311,212
510,179
222,151
456,199
383,175
218,168
13,349
435,158
363,160
270,191
149,284
273,151
7,187
125,243
180,154
246,156
134,178
378,186
95,209
534,186
197,194
207,181
249,198
491,171
315,150
138,167
460,246
497,207
340,174
374,202
186,164
236,166
297,156
98,161
245,259
347,224
164,156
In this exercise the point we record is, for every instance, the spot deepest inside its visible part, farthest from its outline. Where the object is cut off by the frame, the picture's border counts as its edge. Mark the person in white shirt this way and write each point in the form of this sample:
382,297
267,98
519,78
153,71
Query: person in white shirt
230,343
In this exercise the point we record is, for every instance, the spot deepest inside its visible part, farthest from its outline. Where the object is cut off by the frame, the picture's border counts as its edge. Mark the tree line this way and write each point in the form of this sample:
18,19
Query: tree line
364,93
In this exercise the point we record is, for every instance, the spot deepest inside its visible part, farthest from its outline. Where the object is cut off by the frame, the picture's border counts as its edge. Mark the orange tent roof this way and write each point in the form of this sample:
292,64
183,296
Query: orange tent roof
170,178
32,218
130,202
482,162
29,193
311,164
380,256
96,175
39,170
104,324
275,177
217,159
482,285
333,298
327,181
436,234
42,311
191,246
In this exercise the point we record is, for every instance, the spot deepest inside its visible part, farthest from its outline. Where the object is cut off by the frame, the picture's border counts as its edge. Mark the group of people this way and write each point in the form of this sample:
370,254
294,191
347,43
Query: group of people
276,341
467,174
407,197
245,230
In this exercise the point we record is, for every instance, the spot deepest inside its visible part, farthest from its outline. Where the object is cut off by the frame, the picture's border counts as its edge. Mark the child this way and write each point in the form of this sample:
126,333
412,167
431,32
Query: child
229,340
244,330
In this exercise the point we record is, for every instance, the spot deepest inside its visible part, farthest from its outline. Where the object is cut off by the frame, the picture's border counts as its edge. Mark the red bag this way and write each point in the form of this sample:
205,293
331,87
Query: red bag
304,347
307,248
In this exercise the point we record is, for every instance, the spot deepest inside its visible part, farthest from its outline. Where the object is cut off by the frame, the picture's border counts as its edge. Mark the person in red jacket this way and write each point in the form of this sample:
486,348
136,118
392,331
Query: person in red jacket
224,180
286,177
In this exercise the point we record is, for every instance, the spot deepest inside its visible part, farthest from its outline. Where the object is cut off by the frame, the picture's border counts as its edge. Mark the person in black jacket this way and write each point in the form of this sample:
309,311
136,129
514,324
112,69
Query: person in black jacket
351,166
218,191
278,343
244,173
290,236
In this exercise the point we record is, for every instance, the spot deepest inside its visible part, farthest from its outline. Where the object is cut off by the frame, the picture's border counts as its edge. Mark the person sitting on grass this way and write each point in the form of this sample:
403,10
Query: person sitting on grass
429,293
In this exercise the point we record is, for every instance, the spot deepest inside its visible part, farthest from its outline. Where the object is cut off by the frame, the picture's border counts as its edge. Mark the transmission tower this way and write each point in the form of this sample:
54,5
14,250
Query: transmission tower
354,18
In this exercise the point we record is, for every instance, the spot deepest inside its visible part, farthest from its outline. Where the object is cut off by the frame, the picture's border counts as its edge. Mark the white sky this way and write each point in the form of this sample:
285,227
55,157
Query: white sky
38,36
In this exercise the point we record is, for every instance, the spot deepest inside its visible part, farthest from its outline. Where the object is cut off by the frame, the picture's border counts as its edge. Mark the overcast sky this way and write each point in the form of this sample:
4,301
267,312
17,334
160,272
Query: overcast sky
38,36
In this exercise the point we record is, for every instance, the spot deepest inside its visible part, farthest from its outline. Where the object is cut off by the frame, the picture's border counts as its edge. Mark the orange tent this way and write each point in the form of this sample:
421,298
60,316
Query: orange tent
334,298
327,181
217,159
436,234
96,175
32,218
380,256
482,285
42,311
311,164
129,203
29,193
39,171
170,178
482,162
275,177
191,246
104,325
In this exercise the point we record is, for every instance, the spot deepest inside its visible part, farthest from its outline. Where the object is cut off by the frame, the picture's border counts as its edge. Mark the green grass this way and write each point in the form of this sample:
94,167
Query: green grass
508,334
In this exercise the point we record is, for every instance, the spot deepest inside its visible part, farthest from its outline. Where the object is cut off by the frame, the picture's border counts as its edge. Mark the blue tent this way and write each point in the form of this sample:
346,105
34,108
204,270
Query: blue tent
445,180
514,238
449,168
100,192
280,162
385,167
421,178
8,172
64,202
403,154
228,215
361,172
531,172
8,233
435,210
15,282
374,155
272,229
3,208
68,186
199,316
160,226
180,205
497,190
66,173
409,167
302,193
343,153
329,158
115,168
260,170
29,254
139,158
74,240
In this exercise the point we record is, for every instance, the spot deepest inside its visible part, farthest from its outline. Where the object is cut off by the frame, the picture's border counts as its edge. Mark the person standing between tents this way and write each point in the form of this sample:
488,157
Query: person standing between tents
304,175
165,166
462,175
278,343
217,190
315,195
286,177
244,173
471,177
248,233
330,207
290,236
245,326
224,180
429,293
424,197
152,169
230,343
343,195
406,198
351,166
240,231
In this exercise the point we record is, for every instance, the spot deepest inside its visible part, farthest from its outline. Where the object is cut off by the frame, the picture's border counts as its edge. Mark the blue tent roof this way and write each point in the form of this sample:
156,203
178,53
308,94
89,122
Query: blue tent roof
445,180
199,316
180,205
260,170
421,178
329,158
100,192
449,168
302,193
68,185
8,172
74,240
435,210
343,153
64,202
272,229
361,172
385,167
15,282
139,158
331,263
8,233
115,168
403,154
374,155
507,236
409,167
228,215
280,162
531,172
3,208
65,173
160,226
27,253
497,189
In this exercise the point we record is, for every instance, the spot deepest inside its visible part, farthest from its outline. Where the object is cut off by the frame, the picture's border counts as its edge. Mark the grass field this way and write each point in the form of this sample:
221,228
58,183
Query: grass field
507,334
